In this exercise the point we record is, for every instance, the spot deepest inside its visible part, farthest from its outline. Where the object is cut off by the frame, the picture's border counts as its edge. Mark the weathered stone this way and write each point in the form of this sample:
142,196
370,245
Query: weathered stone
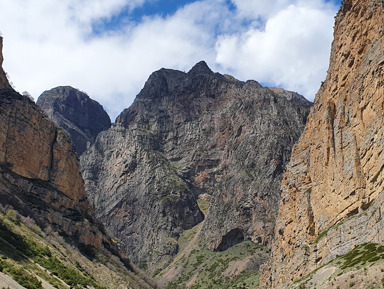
39,171
188,134
72,110
33,147
4,84
335,173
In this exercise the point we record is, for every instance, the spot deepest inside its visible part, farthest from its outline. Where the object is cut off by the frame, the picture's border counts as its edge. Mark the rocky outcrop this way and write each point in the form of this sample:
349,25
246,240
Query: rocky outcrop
39,171
33,147
4,84
188,134
73,110
332,190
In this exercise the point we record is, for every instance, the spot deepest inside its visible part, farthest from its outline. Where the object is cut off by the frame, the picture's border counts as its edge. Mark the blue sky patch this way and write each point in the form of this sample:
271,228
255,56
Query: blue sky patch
162,8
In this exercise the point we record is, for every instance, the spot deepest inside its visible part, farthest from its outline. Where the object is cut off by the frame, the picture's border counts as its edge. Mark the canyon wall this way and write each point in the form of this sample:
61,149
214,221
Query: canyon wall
332,190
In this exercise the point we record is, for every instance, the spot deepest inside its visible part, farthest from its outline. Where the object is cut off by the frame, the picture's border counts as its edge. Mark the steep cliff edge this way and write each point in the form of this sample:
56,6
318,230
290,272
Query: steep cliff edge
33,147
73,110
4,84
332,190
188,135
41,187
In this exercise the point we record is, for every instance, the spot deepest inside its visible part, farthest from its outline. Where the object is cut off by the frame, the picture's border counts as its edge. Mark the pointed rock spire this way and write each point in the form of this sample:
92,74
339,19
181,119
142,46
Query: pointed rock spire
200,68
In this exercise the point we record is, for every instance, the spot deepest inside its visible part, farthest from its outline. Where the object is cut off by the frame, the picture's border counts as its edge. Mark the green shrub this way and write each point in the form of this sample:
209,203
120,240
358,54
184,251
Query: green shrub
21,276
68,275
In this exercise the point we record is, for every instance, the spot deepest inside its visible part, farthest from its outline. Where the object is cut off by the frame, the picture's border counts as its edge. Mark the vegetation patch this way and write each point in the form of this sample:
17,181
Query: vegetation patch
210,269
68,275
20,275
362,255
321,235
19,248
203,205
187,236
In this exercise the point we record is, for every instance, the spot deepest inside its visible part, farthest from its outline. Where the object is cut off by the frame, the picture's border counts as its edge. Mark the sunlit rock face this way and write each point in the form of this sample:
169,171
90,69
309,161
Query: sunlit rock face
333,186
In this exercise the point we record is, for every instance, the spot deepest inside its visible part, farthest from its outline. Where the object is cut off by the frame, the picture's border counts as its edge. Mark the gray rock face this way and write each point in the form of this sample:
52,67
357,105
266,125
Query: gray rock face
73,110
188,134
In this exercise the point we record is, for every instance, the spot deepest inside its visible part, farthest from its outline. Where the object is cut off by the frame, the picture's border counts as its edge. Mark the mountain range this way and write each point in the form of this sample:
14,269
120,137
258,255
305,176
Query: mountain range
205,181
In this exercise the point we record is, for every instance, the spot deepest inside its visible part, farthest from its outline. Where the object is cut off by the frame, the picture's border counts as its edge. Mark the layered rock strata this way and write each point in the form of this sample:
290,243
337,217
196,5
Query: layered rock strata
332,190
185,135
40,171
72,110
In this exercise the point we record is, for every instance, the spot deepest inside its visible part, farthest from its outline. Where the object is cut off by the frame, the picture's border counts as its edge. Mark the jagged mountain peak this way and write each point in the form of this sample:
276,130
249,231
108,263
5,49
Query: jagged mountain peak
199,89
185,135
67,94
74,111
200,68
173,83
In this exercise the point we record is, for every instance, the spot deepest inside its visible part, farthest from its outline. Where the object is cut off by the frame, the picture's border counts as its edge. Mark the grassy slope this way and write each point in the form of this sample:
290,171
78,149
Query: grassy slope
363,267
197,267
32,257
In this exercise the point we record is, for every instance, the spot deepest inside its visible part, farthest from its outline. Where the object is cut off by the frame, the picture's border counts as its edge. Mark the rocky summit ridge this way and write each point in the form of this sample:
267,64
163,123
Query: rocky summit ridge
333,188
187,137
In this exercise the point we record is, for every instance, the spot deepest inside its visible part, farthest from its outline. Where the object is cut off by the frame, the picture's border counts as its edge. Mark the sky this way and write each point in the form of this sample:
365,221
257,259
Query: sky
108,49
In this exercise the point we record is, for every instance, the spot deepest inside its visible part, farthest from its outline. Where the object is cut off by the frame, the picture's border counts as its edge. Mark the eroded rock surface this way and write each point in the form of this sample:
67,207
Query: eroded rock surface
332,190
188,134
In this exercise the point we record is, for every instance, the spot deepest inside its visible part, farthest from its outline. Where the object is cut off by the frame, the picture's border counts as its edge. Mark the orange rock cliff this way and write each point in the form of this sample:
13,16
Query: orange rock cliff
332,189
39,169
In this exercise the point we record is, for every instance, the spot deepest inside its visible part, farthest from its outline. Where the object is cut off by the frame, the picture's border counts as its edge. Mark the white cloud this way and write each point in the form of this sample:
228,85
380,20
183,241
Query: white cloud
88,10
291,51
49,43
255,9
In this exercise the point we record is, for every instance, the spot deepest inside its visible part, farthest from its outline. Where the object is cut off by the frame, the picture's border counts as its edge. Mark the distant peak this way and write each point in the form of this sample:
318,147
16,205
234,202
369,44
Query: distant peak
200,68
